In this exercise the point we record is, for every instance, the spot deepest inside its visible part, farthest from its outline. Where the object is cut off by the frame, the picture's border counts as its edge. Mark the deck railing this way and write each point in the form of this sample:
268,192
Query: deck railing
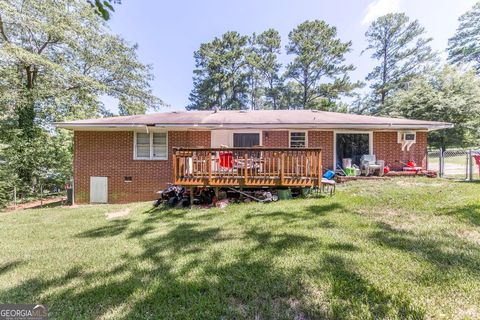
247,166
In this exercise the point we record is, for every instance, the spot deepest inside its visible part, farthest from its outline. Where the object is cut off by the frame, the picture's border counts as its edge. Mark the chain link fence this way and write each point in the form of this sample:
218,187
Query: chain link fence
460,164
41,195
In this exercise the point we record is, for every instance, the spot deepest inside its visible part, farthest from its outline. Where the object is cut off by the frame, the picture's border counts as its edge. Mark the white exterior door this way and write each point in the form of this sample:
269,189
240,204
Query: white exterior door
98,189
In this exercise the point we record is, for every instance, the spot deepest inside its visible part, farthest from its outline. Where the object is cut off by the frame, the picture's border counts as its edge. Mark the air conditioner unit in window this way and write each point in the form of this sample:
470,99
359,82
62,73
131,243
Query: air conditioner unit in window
407,139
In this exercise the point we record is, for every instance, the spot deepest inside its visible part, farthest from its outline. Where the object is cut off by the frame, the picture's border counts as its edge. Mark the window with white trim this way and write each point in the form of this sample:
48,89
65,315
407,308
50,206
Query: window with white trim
298,139
151,146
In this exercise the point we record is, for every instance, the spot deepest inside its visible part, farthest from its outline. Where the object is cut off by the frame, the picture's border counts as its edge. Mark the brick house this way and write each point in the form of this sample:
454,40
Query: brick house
129,157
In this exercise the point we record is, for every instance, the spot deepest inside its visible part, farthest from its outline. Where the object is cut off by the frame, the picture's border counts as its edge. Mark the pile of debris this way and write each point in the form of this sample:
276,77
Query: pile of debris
206,197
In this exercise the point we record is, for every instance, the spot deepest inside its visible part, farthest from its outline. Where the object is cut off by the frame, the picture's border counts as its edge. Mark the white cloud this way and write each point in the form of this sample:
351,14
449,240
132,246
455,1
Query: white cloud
379,8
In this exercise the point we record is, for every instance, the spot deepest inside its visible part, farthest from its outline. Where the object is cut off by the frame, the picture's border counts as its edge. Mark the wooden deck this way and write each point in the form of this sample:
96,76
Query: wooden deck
247,167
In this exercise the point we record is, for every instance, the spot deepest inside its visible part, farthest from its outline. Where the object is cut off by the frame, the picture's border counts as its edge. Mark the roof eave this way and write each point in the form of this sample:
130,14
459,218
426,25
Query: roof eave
212,126
99,126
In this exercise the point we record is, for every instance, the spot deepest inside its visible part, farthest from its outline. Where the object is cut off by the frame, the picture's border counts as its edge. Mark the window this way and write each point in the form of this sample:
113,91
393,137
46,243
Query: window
151,146
143,145
298,139
246,140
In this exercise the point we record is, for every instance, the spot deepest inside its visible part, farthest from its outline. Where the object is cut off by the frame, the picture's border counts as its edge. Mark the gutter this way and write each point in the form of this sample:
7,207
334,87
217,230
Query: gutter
106,127
213,126
427,126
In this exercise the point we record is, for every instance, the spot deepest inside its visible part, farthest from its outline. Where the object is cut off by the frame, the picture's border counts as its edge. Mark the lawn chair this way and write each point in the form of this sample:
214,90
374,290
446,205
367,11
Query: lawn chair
369,165
328,182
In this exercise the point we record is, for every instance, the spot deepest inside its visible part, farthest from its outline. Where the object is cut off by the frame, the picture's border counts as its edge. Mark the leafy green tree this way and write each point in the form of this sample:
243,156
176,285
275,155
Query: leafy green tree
57,59
103,8
318,68
464,46
445,95
6,180
401,51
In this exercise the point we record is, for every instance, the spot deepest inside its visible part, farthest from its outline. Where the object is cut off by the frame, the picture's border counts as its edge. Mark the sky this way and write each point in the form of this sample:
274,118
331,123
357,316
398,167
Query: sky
168,32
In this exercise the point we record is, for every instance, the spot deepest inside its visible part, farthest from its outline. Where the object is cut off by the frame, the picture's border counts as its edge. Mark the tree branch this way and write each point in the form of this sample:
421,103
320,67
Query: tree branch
2,31
49,41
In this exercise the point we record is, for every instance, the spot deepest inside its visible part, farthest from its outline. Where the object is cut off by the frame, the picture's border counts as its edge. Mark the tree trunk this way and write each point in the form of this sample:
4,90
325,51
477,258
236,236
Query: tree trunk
272,94
383,92
305,89
26,115
26,122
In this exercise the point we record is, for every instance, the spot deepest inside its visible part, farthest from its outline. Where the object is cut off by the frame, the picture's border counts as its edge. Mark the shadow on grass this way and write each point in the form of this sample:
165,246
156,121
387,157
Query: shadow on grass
324,209
277,242
184,238
5,267
183,274
343,246
140,232
469,213
351,291
444,254
246,288
312,212
114,227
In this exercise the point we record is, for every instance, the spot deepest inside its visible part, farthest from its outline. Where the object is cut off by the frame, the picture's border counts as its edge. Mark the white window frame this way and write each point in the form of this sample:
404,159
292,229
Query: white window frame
370,142
297,131
151,157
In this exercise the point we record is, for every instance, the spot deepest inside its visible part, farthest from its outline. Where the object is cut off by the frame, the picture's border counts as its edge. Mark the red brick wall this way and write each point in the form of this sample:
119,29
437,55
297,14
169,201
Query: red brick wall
324,140
385,147
110,154
275,139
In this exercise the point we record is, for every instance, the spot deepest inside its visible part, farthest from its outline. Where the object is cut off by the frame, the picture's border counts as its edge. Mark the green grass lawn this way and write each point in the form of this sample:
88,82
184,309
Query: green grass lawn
402,248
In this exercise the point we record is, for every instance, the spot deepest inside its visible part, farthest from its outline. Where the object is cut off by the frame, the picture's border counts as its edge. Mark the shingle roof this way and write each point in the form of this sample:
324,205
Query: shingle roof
262,118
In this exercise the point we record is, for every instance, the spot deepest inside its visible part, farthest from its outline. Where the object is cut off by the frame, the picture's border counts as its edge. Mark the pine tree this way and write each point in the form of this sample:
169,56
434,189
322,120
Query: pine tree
265,49
400,50
318,69
464,46
220,75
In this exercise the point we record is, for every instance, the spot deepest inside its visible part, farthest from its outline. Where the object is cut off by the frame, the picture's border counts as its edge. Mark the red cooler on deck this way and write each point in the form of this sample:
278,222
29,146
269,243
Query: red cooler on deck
226,160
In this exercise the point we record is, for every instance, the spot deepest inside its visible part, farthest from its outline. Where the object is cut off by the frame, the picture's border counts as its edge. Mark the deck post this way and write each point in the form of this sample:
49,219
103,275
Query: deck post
209,164
319,177
192,196
174,166
245,159
282,167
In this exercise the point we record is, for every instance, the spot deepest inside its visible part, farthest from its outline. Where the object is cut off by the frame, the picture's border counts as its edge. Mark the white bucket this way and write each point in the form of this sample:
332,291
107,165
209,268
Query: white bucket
347,162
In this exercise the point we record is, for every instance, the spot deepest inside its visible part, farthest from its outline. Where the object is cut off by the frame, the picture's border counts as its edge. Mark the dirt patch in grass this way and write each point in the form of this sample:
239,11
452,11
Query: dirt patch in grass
385,212
413,183
118,214
238,306
471,235
296,309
